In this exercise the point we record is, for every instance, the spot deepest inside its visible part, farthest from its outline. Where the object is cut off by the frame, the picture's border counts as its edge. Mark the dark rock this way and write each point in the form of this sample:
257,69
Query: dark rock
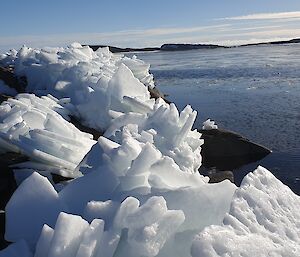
220,176
3,242
227,150
155,93
4,97
18,83
58,178
215,175
7,180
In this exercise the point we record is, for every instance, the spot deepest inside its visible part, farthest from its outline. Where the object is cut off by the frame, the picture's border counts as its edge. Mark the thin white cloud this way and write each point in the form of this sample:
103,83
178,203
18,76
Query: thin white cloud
125,38
242,29
216,33
180,30
274,33
266,16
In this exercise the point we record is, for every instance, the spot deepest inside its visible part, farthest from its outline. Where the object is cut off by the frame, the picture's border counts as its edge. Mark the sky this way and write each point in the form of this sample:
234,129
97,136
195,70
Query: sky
134,23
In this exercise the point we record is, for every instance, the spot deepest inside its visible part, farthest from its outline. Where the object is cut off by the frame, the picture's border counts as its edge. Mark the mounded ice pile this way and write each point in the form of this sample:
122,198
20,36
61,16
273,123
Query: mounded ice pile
154,162
96,82
264,220
136,231
170,132
146,156
38,128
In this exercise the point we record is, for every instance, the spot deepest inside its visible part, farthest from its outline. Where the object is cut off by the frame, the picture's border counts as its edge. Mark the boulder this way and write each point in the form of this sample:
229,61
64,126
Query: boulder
3,242
7,75
7,180
227,150
220,176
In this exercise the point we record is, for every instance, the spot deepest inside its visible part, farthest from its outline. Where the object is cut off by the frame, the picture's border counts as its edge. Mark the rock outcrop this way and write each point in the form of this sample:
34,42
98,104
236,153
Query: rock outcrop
227,150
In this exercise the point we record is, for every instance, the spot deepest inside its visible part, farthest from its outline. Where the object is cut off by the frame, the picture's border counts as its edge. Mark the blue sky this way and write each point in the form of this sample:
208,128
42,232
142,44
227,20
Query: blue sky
146,23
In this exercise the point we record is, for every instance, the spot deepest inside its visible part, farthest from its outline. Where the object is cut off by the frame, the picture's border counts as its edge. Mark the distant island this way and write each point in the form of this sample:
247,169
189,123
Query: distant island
184,47
115,49
292,41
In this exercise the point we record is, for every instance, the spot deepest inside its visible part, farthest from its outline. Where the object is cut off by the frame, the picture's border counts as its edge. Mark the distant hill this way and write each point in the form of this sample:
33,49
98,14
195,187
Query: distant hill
292,41
183,47
115,49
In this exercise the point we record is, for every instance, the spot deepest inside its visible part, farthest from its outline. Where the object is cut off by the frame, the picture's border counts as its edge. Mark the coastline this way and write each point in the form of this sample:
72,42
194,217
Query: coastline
187,46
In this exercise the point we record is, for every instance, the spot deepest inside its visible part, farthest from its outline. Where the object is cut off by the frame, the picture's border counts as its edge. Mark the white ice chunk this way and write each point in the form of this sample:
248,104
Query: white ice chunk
36,127
128,206
68,233
202,205
43,244
91,239
123,83
101,210
97,185
34,203
149,240
108,244
209,124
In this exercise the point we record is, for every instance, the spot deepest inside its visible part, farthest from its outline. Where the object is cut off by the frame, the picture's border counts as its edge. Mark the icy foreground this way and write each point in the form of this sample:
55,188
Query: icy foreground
264,220
136,191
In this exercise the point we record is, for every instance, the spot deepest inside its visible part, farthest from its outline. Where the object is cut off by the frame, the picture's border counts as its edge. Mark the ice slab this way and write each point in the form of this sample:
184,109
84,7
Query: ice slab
68,233
34,203
43,244
38,127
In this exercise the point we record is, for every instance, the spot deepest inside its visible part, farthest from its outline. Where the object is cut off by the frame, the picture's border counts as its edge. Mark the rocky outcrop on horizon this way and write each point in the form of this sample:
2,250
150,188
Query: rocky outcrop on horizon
184,47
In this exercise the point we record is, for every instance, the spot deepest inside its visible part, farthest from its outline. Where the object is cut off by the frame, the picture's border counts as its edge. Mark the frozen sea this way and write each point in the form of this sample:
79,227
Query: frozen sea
253,90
